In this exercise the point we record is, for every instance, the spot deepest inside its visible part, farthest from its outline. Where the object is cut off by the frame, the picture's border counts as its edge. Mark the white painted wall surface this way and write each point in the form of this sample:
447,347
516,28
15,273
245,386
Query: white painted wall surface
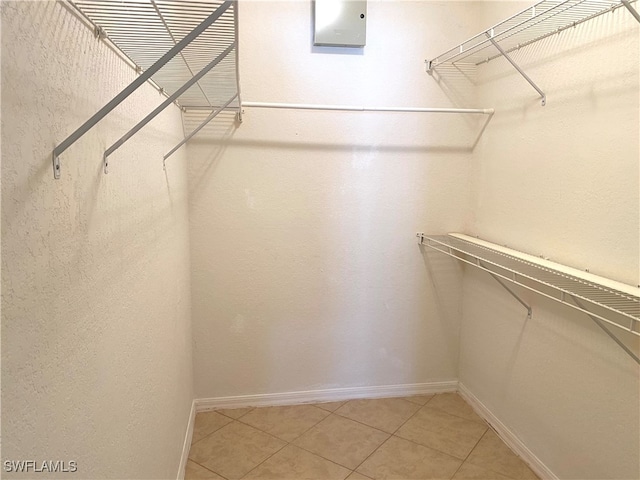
560,181
306,273
96,340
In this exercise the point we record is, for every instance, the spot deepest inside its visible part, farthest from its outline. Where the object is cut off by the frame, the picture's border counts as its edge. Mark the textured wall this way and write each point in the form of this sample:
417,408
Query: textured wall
96,341
306,273
560,181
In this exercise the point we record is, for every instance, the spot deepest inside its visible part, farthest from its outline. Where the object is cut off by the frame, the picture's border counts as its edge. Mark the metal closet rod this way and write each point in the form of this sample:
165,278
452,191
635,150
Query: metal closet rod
349,108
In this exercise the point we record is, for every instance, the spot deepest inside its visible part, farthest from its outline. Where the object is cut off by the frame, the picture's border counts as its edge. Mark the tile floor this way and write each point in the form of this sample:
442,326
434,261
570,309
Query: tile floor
420,437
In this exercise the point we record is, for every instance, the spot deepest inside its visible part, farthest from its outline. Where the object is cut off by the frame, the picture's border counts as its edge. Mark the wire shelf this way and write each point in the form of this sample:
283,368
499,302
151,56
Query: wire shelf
613,306
542,20
144,30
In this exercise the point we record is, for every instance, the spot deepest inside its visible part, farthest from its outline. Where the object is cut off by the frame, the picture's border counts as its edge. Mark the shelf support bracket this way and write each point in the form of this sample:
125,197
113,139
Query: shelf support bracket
237,39
197,129
520,71
165,104
513,294
632,10
606,330
133,86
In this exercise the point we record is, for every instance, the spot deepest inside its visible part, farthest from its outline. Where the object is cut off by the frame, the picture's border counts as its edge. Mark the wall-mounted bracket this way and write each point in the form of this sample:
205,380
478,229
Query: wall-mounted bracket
133,86
421,237
197,129
602,300
56,165
606,330
99,33
429,66
515,65
513,294
166,103
533,24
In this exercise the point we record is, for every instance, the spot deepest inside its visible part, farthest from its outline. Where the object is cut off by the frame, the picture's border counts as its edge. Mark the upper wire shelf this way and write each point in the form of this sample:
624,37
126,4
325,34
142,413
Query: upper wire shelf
542,20
187,49
144,30
601,299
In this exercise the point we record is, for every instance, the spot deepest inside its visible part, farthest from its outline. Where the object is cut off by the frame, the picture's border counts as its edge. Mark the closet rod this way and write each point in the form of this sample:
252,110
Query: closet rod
302,106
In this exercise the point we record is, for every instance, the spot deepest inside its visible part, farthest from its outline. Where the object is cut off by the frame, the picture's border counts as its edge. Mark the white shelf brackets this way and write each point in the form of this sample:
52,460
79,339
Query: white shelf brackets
604,301
545,18
141,30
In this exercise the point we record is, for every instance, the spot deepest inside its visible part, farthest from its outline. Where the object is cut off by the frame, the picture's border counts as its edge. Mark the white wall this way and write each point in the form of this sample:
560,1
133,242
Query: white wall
96,340
306,271
560,181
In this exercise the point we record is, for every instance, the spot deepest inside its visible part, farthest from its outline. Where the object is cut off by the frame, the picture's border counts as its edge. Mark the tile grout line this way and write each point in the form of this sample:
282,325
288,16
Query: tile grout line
502,441
432,448
369,456
281,439
412,415
361,423
287,443
252,469
313,453
392,434
206,468
328,459
469,454
251,426
485,424
251,409
210,433
481,422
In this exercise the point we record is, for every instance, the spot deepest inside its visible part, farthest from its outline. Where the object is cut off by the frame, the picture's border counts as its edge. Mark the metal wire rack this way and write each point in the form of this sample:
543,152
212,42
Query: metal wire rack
545,18
600,301
188,49
542,20
146,29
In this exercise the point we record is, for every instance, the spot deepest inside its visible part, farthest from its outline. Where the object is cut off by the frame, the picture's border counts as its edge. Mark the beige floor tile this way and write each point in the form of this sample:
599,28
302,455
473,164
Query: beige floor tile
234,413
401,459
297,464
330,406
196,472
357,476
492,454
454,404
342,441
446,433
206,423
234,450
471,472
385,414
288,422
419,399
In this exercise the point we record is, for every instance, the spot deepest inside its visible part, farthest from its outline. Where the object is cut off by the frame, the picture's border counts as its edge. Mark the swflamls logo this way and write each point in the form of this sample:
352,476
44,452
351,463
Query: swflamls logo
46,466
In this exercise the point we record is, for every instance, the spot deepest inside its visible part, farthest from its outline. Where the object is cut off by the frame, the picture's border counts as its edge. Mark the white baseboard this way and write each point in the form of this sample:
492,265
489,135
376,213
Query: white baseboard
507,435
319,396
186,446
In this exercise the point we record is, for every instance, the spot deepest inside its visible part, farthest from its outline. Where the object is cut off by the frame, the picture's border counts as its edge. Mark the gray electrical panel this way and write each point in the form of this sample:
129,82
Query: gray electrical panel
340,23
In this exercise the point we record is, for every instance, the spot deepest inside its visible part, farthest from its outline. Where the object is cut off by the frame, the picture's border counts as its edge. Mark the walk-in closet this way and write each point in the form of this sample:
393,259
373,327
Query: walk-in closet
320,239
